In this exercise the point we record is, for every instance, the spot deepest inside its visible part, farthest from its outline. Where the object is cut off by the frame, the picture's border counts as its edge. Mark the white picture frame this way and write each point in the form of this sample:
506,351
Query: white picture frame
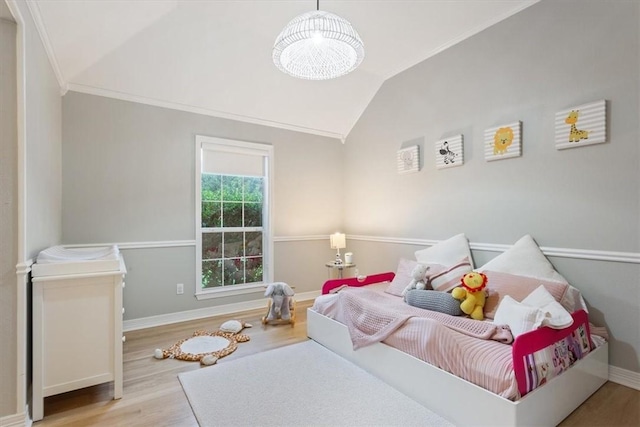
408,160
503,142
582,125
449,152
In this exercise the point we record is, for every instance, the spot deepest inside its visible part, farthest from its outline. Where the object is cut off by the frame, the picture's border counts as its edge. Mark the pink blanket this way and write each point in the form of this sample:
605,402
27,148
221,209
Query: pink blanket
448,342
372,317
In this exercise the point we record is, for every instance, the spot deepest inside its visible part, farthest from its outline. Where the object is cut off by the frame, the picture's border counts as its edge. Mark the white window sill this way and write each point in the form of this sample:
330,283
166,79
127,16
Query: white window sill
227,291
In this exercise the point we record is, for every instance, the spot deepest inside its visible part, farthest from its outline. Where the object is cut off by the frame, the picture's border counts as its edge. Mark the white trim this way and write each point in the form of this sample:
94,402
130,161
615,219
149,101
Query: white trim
139,245
624,377
16,420
183,316
24,266
300,238
227,291
91,90
266,153
588,254
34,8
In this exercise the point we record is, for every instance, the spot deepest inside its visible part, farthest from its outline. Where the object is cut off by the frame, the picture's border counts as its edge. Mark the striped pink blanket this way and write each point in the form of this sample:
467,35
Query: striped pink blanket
372,317
466,348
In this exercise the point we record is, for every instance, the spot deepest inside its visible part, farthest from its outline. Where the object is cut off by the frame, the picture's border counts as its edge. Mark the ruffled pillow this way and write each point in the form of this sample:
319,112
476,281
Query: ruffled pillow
556,316
519,317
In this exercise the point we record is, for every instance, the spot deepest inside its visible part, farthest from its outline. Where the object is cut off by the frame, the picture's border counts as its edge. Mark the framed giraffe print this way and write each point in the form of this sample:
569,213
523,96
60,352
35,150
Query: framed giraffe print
582,125
449,152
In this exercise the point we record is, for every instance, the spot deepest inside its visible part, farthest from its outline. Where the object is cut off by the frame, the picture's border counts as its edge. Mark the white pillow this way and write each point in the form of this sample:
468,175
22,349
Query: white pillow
556,316
520,318
524,258
447,252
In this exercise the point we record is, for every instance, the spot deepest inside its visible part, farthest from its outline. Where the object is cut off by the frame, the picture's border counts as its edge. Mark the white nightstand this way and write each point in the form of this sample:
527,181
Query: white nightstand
340,267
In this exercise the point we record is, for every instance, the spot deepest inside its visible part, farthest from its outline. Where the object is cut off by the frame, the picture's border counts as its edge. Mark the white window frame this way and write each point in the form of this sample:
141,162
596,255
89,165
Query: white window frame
242,147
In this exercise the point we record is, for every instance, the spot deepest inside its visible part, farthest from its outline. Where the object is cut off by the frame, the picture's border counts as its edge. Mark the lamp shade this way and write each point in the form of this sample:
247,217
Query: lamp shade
318,45
338,241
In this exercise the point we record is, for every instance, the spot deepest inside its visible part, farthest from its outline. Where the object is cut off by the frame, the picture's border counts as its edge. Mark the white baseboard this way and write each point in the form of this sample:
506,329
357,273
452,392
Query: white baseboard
624,377
183,316
16,420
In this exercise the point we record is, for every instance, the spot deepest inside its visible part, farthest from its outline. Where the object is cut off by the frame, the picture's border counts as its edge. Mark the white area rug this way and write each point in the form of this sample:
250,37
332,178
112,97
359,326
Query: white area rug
298,385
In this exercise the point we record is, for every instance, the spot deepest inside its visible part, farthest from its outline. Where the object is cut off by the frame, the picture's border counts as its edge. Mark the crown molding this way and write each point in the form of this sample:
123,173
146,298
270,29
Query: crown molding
34,9
124,96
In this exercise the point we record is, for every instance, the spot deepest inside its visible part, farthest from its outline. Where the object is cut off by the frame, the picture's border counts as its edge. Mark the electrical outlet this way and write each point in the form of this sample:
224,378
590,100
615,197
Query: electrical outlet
180,289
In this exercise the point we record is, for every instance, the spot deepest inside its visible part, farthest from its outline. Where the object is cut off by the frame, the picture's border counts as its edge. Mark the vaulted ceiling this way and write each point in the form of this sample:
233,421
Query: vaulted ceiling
214,57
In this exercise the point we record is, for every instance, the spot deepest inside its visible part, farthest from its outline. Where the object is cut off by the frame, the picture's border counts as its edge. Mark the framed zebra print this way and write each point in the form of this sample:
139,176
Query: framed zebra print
581,125
449,152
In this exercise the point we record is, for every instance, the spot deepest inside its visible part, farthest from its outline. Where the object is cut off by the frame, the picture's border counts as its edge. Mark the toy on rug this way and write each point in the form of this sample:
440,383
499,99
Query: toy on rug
281,305
418,278
207,347
472,294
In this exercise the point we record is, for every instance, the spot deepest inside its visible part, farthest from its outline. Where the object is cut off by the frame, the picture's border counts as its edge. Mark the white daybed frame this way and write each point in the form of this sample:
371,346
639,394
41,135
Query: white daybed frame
457,400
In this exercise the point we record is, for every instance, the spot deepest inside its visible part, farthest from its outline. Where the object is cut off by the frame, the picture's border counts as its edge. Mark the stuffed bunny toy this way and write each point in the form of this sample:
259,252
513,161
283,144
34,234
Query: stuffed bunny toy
418,279
280,293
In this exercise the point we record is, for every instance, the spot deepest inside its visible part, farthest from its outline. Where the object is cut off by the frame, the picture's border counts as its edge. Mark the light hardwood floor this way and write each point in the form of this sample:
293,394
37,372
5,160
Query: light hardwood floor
153,395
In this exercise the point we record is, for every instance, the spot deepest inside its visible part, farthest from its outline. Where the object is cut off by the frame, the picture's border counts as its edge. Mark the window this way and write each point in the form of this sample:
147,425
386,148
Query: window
233,233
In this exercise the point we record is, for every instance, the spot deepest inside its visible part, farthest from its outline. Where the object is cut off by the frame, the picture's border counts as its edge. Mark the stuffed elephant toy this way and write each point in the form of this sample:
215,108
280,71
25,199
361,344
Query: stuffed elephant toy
280,294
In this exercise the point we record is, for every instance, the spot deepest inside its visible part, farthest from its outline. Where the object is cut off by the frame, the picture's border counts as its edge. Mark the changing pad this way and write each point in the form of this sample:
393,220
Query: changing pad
60,260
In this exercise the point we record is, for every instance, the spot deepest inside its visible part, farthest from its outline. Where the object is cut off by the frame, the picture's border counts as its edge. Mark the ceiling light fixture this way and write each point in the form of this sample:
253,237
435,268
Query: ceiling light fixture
318,46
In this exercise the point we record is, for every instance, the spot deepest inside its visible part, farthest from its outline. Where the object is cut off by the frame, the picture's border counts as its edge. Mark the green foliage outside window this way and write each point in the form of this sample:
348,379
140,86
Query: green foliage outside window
232,236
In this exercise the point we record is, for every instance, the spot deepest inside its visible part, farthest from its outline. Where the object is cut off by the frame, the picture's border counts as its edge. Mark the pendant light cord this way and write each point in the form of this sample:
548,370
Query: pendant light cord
318,5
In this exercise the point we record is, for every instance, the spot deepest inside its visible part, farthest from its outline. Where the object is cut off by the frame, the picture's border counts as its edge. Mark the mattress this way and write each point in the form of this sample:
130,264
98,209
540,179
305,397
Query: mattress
60,260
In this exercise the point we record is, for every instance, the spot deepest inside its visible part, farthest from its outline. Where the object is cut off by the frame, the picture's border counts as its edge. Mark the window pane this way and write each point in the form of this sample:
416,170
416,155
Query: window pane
253,270
233,247
211,215
211,274
253,189
253,243
211,245
233,272
232,214
231,188
252,215
211,187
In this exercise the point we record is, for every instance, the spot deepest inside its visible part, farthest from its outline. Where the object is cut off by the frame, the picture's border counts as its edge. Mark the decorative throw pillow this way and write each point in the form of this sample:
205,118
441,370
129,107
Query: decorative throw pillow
519,317
556,316
517,287
444,279
447,252
434,301
402,277
524,258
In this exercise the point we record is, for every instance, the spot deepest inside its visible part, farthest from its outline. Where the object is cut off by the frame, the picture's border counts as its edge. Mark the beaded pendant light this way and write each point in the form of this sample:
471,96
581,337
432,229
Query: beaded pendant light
318,46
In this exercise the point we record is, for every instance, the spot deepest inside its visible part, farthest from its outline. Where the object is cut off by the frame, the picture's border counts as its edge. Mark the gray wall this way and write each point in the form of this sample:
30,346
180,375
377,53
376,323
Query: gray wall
552,56
128,176
42,139
8,213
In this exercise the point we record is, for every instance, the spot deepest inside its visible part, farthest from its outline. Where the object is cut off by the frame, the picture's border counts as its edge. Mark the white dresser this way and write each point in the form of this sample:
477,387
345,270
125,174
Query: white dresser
77,332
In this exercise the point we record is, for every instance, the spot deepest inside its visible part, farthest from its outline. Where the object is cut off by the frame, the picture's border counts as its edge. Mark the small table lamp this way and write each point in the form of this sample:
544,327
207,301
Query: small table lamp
338,241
